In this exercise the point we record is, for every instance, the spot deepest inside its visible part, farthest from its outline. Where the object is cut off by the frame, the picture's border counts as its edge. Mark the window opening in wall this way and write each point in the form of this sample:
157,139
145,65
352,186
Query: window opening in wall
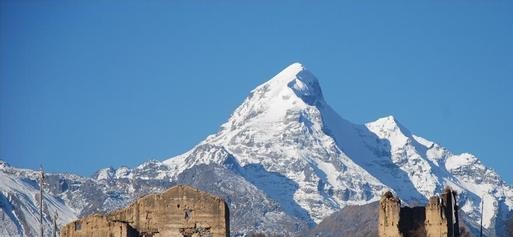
196,231
187,214
78,225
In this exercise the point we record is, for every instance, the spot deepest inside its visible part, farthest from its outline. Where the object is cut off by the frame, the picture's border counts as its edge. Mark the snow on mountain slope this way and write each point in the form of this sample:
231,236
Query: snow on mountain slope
280,127
297,161
71,196
19,205
286,126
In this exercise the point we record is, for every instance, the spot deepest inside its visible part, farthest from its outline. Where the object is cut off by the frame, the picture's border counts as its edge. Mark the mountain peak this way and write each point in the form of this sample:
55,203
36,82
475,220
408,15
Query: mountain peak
295,71
300,80
389,123
388,127
291,91
294,68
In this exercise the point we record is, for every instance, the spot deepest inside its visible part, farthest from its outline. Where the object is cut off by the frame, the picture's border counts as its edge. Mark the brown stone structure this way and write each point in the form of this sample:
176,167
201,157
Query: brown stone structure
98,226
177,212
439,218
389,215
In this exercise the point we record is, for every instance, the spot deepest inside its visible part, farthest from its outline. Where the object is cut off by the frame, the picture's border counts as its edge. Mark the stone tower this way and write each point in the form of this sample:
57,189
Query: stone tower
389,213
439,218
442,215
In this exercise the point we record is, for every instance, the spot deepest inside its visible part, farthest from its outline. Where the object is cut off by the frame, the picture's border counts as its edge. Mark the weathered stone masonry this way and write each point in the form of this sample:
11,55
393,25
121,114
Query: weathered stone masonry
179,211
439,218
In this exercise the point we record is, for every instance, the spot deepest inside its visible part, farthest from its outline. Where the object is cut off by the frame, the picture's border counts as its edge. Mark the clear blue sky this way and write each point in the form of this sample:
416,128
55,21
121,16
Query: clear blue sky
88,85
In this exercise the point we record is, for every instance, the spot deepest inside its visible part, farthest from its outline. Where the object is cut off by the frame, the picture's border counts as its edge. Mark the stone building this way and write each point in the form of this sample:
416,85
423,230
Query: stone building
99,226
179,211
439,218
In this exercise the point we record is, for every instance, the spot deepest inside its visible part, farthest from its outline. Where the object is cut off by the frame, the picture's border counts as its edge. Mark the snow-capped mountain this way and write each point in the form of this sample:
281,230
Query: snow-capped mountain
284,160
19,203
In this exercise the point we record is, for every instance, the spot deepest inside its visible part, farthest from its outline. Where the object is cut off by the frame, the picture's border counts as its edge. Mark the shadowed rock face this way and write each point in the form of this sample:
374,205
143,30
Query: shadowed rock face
179,211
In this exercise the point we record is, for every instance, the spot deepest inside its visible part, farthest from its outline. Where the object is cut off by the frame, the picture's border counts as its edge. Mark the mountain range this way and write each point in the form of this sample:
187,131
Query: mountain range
284,161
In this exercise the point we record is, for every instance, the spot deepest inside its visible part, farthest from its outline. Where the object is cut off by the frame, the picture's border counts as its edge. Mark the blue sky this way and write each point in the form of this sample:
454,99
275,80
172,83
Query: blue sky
89,85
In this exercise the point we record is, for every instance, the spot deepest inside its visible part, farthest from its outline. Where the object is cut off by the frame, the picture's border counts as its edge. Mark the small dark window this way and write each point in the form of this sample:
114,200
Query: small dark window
187,214
78,225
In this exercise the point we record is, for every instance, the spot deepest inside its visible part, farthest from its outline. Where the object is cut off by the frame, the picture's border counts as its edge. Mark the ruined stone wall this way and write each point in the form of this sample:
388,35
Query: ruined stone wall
179,211
442,215
389,216
436,221
439,218
451,211
97,226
